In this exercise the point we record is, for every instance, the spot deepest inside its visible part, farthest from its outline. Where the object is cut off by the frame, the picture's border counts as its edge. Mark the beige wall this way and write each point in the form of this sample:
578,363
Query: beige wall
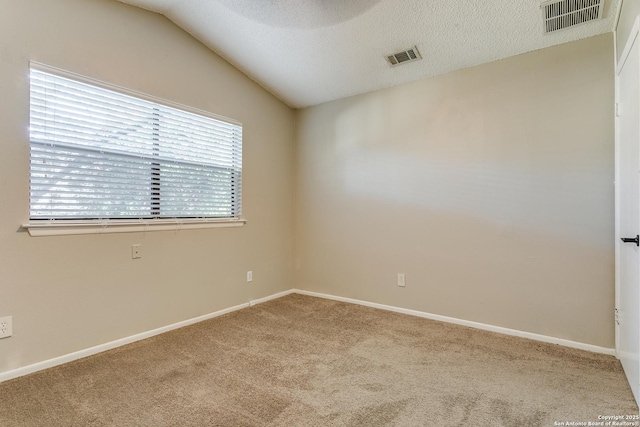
490,187
628,14
69,293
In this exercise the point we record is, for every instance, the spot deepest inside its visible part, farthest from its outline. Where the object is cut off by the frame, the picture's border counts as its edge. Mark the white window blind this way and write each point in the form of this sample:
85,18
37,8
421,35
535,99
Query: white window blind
100,153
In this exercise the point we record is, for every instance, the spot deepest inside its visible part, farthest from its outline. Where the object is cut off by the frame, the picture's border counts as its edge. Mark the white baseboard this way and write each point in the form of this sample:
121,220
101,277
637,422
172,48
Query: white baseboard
476,325
25,370
270,297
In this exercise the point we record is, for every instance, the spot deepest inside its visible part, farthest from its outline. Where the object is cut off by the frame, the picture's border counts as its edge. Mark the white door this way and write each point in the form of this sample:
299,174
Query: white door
628,140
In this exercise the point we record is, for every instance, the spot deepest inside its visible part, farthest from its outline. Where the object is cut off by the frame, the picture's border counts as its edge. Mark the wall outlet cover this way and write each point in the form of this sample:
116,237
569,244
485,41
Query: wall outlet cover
402,280
6,327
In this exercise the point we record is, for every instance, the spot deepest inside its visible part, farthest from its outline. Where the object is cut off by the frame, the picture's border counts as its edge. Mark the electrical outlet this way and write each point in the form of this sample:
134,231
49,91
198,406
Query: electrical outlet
402,280
136,251
249,276
6,327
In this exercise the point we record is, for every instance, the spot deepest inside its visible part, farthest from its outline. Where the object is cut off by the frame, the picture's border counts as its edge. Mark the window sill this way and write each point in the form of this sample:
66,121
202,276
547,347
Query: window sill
62,227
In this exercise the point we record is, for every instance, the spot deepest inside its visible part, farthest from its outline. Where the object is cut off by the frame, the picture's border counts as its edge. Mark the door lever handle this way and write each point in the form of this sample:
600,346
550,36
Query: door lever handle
635,240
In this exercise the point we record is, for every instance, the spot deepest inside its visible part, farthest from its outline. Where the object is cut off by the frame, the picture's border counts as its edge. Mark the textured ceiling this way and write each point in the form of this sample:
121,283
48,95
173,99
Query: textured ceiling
308,52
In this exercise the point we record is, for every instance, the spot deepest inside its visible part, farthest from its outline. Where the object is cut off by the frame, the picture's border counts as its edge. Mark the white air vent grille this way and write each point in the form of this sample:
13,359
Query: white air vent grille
567,13
408,55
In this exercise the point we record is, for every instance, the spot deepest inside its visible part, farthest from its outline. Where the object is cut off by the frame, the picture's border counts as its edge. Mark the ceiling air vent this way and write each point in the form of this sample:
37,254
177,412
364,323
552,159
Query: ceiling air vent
568,13
408,55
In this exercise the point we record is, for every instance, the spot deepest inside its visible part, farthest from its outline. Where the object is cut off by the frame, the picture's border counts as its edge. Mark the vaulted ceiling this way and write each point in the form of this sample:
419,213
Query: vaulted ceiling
307,52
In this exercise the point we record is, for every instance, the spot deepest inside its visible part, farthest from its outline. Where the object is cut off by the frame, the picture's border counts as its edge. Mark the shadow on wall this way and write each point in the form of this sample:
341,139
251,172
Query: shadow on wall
463,267
473,156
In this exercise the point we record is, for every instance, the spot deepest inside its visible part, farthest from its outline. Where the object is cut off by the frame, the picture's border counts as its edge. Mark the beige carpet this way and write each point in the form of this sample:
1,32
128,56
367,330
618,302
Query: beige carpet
303,361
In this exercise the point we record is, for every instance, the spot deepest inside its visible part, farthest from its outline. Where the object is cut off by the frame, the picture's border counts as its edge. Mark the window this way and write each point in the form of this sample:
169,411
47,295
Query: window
105,153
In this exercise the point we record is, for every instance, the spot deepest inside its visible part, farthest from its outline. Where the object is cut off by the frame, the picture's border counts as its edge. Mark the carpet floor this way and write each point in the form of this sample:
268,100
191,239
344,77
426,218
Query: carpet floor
304,361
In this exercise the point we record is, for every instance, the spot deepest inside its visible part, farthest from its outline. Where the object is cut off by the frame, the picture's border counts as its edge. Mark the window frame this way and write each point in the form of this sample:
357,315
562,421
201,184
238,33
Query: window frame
65,226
